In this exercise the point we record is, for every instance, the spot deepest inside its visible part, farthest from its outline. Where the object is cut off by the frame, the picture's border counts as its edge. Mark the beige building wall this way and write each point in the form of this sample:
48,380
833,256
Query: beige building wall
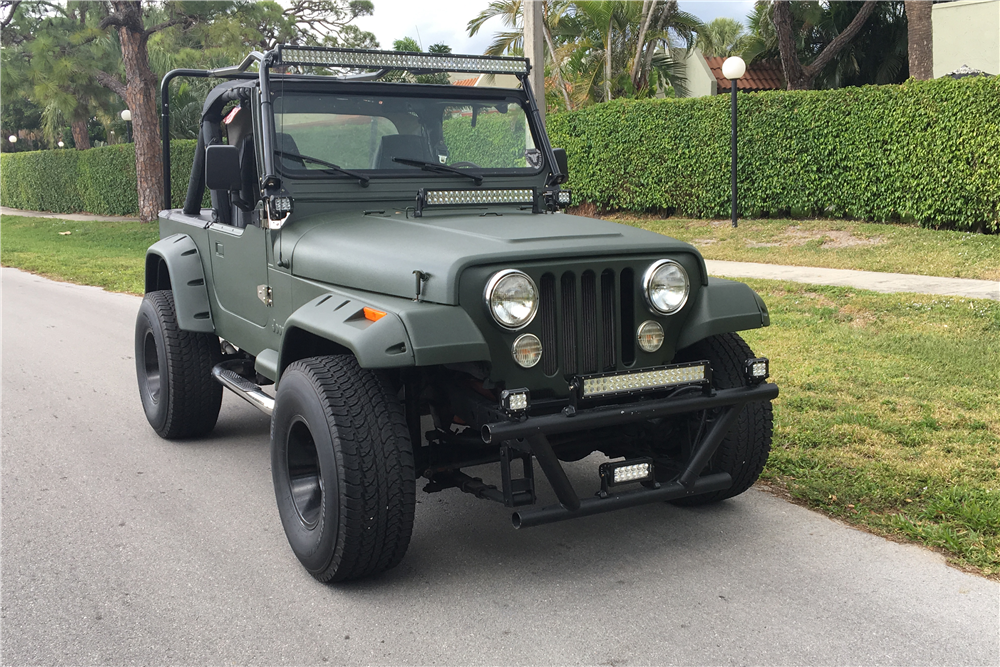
966,32
700,80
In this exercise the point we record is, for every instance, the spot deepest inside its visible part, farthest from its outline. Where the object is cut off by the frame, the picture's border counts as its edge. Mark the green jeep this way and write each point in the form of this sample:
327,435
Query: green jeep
392,257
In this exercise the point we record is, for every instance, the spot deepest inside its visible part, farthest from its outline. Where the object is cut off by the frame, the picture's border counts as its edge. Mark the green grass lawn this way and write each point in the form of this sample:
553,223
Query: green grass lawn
838,244
107,254
889,414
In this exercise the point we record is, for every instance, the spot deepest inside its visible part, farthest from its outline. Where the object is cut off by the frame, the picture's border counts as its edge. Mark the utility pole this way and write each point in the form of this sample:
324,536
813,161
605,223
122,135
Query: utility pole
534,50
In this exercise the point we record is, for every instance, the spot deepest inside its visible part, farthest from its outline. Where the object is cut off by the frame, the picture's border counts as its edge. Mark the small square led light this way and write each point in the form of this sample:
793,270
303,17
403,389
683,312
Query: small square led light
515,401
757,370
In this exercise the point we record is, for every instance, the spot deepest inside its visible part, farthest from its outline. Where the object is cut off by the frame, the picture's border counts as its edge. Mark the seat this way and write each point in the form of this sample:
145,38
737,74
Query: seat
286,144
411,146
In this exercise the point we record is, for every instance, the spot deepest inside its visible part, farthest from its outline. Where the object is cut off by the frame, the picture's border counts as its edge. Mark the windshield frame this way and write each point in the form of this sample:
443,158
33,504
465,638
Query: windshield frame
459,94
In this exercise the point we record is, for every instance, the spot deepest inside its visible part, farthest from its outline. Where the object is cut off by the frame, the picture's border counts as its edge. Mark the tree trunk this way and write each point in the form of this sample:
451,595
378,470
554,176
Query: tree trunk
140,95
920,37
81,139
607,61
799,76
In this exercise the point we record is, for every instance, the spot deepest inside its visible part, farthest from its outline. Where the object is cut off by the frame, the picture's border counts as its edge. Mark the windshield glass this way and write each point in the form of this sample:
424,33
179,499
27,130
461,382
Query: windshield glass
365,134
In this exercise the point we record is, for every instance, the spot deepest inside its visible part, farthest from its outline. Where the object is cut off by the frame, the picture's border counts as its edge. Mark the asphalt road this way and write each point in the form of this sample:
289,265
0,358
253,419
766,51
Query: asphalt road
121,548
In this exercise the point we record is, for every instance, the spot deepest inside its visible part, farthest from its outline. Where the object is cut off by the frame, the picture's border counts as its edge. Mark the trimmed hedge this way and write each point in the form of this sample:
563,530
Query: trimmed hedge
924,151
99,180
497,140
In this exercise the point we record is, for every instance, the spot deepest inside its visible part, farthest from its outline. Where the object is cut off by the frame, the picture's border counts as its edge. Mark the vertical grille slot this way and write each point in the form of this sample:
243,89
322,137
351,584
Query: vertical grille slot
569,323
588,290
550,353
628,316
608,319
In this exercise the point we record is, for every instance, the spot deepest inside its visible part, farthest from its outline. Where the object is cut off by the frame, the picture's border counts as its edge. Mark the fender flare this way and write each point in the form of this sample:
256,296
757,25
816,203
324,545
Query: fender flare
175,263
723,306
410,333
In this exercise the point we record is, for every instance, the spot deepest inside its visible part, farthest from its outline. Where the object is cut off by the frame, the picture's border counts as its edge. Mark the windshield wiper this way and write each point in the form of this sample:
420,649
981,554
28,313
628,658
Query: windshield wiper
440,168
362,179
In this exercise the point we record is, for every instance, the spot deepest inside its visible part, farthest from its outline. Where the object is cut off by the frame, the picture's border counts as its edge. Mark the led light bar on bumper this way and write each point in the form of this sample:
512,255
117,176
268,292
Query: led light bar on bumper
622,472
630,382
370,59
427,198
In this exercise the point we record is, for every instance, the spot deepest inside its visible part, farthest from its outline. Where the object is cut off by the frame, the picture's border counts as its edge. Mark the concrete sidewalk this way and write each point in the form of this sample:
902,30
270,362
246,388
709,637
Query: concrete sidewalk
869,280
6,210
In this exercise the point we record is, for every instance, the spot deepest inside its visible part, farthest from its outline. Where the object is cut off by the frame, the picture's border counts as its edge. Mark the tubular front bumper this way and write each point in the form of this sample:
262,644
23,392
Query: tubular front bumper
535,430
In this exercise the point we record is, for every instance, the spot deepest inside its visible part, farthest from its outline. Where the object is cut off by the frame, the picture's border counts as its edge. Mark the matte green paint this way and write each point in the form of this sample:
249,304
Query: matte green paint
187,280
379,253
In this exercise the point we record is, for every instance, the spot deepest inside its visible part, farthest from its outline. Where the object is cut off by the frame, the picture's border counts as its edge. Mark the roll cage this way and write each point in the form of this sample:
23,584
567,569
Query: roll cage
382,62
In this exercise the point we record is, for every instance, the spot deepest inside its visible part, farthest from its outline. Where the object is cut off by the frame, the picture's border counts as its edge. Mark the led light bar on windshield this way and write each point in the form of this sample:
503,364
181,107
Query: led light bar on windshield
595,386
369,59
473,197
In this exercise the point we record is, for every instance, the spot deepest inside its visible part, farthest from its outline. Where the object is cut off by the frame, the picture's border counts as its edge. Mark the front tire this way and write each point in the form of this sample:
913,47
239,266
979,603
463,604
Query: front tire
343,469
744,450
174,370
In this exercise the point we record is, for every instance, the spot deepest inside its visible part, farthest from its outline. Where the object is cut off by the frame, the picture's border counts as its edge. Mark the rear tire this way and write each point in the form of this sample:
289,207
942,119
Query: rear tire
174,370
343,468
744,450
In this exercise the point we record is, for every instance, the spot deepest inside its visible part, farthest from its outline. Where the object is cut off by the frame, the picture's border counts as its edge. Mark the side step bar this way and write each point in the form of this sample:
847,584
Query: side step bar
242,387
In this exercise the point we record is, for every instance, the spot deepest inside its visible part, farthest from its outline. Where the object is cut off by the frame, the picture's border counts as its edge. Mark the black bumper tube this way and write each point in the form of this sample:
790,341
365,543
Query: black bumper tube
542,515
624,414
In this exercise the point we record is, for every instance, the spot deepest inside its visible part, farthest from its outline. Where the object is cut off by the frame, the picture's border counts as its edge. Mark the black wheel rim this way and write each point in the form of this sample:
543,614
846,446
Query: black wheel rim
304,477
151,363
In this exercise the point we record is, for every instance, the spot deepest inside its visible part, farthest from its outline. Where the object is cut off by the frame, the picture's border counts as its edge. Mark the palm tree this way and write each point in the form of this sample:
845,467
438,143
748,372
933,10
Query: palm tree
722,37
511,42
920,39
626,48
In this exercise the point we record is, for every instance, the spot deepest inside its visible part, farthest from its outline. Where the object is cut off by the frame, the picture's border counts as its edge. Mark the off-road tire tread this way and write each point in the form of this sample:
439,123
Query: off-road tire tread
744,451
377,483
194,399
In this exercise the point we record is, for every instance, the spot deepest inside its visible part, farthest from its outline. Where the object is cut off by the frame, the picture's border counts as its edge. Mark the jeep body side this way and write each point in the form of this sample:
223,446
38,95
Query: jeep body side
393,257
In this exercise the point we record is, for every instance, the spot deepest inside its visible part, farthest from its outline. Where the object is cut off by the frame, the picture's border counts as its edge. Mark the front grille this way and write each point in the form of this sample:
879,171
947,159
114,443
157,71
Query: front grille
582,319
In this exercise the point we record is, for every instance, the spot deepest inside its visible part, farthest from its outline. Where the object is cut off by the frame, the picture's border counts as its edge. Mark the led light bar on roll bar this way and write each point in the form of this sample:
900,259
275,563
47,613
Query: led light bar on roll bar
369,59
427,198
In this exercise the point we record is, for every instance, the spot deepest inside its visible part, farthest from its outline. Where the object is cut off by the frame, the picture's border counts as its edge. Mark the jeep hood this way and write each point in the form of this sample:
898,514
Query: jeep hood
379,253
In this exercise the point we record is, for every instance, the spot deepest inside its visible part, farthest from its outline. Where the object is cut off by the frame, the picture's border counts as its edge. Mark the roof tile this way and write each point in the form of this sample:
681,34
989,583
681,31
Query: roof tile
761,75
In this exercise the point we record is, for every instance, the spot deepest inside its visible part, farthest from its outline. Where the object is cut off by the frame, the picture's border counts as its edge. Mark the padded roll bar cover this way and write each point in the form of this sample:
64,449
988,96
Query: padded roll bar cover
180,255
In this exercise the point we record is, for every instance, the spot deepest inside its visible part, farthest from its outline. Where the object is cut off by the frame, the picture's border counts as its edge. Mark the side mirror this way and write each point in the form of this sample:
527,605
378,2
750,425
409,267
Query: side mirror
222,168
560,155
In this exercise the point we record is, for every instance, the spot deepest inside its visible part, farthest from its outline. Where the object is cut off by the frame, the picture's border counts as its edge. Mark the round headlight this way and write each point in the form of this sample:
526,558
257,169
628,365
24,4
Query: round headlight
666,285
512,298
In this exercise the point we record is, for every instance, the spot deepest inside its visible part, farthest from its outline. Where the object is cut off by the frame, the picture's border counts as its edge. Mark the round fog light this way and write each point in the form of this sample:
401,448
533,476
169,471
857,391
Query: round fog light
650,336
527,350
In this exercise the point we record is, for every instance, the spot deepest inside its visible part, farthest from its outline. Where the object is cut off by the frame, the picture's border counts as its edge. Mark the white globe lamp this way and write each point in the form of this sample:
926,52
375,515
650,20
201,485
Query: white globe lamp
734,68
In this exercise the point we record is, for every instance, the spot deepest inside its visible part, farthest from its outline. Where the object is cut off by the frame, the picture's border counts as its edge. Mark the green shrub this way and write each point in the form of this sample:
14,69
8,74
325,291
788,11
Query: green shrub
41,181
497,140
101,181
924,151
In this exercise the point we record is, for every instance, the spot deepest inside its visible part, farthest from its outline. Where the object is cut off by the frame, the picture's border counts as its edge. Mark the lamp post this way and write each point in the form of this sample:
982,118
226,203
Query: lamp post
60,144
127,117
734,68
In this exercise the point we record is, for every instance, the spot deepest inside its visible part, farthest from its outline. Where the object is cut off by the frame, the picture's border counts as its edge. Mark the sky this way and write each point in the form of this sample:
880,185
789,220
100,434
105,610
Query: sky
435,21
